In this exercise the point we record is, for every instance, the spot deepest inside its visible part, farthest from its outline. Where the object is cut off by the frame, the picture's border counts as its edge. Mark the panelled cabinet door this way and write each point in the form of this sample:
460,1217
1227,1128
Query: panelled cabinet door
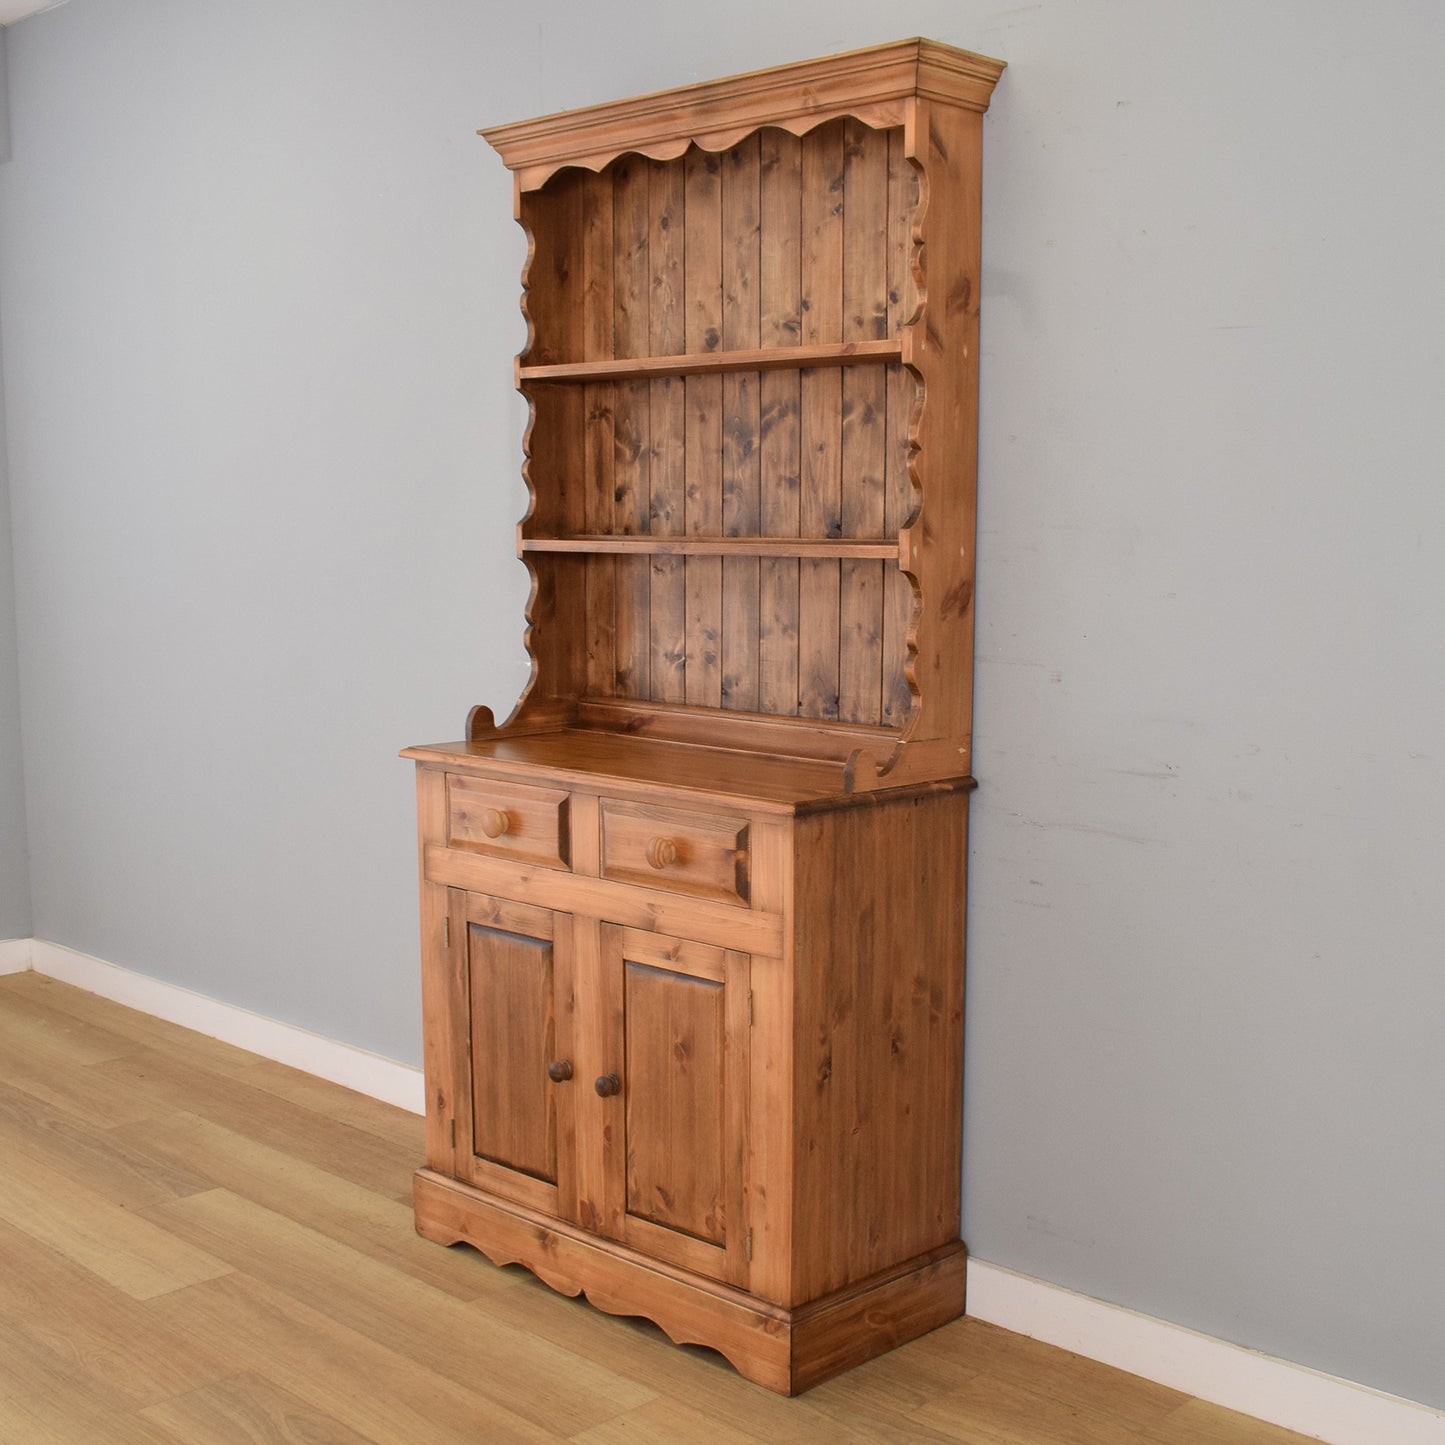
683,1009
517,1113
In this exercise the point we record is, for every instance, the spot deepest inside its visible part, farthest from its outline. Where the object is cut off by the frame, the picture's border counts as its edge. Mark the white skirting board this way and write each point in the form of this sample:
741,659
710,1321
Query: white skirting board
1298,1398
354,1068
1325,1406
14,955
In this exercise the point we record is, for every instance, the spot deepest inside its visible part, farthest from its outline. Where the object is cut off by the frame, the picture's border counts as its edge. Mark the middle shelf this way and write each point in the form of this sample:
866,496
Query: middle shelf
875,548
766,358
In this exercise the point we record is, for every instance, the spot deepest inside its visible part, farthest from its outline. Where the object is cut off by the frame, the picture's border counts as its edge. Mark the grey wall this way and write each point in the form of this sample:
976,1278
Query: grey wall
258,291
14,867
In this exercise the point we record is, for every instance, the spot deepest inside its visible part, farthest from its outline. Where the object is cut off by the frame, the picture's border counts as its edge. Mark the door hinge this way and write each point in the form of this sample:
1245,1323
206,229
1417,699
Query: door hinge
446,930
749,1244
750,1008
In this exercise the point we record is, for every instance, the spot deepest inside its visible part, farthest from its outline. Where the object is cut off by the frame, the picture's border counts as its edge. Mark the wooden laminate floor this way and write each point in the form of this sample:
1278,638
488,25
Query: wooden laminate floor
198,1245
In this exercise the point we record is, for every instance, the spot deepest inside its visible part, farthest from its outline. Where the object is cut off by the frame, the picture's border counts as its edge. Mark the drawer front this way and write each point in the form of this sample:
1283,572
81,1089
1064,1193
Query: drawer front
705,854
508,820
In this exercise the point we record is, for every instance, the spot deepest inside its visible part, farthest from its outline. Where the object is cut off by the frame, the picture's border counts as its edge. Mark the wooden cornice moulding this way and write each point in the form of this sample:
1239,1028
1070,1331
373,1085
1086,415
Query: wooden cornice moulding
871,85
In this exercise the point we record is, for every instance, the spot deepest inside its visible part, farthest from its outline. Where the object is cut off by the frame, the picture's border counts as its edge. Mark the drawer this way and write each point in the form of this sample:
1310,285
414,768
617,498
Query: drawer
700,853
507,820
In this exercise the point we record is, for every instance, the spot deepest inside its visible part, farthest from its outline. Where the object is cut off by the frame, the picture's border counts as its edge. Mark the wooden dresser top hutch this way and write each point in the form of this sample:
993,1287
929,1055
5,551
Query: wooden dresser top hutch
715,855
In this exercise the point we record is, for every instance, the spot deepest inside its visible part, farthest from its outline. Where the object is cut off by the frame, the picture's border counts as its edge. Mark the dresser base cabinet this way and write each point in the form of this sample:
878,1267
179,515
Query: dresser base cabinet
787,1350
739,1119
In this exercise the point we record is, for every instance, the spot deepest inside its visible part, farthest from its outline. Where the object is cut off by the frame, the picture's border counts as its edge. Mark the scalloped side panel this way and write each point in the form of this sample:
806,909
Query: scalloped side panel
533,586
533,581
914,328
522,301
907,531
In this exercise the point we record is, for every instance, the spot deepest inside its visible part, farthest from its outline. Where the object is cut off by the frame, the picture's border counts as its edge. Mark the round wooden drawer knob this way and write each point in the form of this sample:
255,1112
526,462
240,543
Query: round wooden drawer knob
661,852
495,822
559,1070
608,1085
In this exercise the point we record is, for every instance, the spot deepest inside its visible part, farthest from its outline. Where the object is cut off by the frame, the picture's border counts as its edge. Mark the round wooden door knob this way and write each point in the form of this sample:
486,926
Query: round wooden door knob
661,852
495,822
608,1085
559,1070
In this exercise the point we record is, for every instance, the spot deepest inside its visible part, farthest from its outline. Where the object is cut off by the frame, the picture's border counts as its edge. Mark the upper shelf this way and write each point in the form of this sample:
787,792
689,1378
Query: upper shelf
872,84
767,358
655,544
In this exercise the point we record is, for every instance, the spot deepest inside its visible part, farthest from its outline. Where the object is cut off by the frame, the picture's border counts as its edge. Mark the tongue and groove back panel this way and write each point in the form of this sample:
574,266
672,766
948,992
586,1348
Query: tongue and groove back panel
777,243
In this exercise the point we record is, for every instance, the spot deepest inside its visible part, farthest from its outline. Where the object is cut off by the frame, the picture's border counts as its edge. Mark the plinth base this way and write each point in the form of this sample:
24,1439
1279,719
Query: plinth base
788,1350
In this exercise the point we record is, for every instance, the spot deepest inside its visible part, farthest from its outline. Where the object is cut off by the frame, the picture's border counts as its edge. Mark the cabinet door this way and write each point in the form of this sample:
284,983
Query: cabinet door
517,1111
683,1012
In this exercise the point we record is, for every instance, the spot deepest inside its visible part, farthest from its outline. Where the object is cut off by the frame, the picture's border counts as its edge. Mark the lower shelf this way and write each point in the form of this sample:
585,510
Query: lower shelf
787,1350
